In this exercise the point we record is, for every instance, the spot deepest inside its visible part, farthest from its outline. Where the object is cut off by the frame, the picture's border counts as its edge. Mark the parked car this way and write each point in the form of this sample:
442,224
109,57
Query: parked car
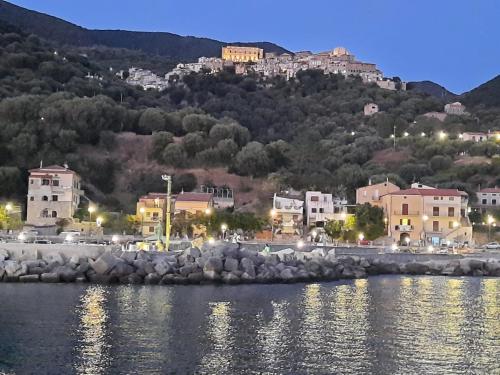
44,242
492,246
364,242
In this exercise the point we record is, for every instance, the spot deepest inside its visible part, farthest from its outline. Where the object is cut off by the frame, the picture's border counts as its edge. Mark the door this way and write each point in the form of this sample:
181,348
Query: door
404,209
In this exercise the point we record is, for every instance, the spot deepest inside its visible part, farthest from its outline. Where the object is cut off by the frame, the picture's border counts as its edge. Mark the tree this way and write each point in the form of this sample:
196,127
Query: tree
252,160
370,221
151,120
160,141
174,155
194,143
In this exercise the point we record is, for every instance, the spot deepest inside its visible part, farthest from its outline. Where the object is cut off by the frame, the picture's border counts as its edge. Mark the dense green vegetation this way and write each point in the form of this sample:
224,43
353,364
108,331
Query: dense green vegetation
310,133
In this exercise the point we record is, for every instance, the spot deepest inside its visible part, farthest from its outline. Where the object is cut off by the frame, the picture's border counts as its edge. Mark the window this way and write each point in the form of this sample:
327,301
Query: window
54,213
151,229
435,226
45,198
450,225
494,201
55,198
31,181
321,210
148,214
484,201
435,211
451,211
436,198
44,213
45,181
404,209
32,199
55,183
313,210
314,198
155,215
452,198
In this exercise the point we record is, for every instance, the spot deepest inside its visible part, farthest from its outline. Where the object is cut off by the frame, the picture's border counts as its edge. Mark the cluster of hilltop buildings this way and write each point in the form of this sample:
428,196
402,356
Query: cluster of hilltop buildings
419,215
246,60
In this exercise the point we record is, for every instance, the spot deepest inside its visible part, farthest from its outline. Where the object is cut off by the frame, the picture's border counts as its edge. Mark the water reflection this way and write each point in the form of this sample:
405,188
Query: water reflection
218,358
93,348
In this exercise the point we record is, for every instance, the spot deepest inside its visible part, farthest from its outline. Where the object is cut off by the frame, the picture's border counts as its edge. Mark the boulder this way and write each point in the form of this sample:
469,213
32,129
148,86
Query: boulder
32,263
213,264
129,256
415,268
192,252
211,275
4,255
167,279
15,269
134,278
66,274
29,278
122,269
152,279
285,254
319,251
287,275
82,267
359,272
105,263
81,279
200,262
245,277
49,277
230,278
143,255
187,269
163,267
2,272
195,277
231,264
54,257
493,267
248,266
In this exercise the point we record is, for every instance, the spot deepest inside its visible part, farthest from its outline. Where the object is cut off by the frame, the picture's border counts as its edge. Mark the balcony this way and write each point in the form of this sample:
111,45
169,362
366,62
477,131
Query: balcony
403,228
406,213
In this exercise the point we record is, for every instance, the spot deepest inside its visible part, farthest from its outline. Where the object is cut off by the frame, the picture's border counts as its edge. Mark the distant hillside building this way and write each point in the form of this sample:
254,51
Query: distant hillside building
370,109
474,136
193,203
488,198
373,193
53,193
242,54
456,108
223,196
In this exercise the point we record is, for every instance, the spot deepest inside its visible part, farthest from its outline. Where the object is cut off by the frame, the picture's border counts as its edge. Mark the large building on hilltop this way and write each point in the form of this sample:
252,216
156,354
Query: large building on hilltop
242,54
53,193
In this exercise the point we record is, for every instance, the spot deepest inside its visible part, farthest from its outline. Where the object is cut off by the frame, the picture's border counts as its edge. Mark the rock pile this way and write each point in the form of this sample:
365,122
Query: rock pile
227,264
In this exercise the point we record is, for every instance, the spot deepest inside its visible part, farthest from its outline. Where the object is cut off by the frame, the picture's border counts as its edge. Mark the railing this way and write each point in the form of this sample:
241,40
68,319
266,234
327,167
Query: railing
403,228
406,213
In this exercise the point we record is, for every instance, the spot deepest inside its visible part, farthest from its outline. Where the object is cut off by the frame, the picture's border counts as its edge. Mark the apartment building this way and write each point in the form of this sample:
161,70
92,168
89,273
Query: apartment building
321,207
193,203
150,211
427,216
288,216
53,193
242,54
373,193
488,198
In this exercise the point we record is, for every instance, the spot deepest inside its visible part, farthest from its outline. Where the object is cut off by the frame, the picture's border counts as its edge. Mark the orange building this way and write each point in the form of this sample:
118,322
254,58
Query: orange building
193,203
151,212
427,216
242,54
373,193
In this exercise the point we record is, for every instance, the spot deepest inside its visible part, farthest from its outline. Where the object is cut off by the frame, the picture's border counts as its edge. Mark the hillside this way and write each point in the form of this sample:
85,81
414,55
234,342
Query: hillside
156,43
487,94
256,135
432,89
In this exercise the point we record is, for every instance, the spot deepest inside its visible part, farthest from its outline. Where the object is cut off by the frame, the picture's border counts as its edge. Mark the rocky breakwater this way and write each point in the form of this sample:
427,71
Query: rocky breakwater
226,264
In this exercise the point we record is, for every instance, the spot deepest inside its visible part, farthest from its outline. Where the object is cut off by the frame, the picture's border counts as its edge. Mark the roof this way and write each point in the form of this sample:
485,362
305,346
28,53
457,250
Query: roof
194,197
490,190
430,192
51,168
154,196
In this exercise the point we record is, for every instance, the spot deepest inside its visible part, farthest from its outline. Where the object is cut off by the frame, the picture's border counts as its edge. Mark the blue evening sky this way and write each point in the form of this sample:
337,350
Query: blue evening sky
452,42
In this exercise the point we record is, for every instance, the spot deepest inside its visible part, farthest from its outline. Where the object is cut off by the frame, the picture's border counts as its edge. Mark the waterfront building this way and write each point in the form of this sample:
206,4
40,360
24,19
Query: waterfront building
54,193
427,215
193,203
321,207
488,198
288,218
373,193
223,196
242,54
150,211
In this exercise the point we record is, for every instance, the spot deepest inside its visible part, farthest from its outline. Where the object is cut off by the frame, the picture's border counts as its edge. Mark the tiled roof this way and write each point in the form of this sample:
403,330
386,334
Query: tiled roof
154,196
430,192
193,197
490,190
51,168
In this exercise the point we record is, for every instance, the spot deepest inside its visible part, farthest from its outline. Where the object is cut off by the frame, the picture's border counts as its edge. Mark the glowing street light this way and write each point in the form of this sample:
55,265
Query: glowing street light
211,240
442,135
425,217
422,134
406,134
407,240
353,133
393,136
456,224
491,221
361,236
460,136
300,244
8,207
99,221
223,228
394,247
430,249
115,238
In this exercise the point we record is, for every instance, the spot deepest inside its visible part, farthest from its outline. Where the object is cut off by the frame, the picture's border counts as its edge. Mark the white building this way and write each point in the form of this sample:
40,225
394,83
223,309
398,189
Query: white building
456,108
53,193
370,109
288,215
320,208
488,198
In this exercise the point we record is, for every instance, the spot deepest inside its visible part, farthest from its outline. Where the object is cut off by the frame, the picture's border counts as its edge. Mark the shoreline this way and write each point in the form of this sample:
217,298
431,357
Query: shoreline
226,264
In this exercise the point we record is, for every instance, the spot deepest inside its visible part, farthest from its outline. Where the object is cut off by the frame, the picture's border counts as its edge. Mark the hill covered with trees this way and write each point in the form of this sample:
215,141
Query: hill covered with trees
59,104
155,43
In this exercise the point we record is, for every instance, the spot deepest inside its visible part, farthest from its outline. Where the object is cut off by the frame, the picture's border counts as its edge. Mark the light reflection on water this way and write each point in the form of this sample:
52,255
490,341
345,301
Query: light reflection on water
382,325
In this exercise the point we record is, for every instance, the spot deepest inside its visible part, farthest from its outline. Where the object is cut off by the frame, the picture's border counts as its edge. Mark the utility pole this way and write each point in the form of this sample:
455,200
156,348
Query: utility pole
394,137
167,214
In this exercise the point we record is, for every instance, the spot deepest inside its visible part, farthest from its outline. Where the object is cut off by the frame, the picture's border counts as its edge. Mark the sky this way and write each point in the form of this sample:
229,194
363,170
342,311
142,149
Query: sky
452,42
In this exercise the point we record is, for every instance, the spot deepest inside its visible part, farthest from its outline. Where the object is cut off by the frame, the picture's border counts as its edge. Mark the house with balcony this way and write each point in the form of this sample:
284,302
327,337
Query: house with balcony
321,208
193,203
487,199
288,219
427,216
54,193
150,212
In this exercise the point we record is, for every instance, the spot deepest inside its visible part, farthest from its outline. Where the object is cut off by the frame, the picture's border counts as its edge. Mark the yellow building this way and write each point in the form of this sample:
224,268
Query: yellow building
242,54
193,203
373,193
427,216
151,212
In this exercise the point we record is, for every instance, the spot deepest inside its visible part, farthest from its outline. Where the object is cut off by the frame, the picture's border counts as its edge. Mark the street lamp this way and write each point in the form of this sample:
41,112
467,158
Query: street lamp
424,219
442,135
208,212
422,134
272,213
300,244
142,210
223,228
99,221
490,221
406,134
361,237
91,210
8,208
